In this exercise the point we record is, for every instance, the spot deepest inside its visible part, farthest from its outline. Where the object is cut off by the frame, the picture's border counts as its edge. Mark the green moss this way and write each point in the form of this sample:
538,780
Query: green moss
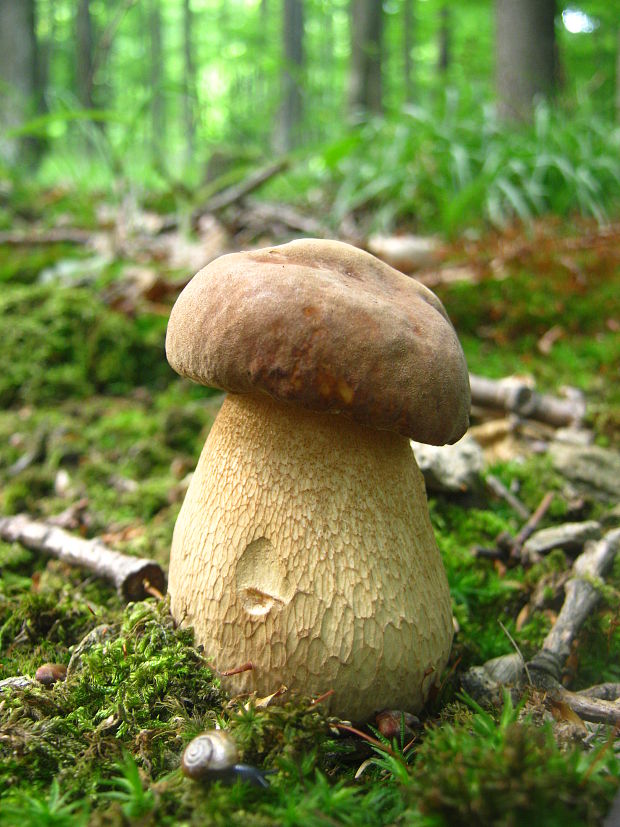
104,747
65,342
508,774
23,264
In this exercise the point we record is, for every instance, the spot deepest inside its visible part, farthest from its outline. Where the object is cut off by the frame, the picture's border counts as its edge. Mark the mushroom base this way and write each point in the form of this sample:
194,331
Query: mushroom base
304,546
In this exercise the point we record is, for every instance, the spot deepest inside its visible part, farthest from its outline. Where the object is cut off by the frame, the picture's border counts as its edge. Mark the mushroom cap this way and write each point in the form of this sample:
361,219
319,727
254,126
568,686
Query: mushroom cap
329,327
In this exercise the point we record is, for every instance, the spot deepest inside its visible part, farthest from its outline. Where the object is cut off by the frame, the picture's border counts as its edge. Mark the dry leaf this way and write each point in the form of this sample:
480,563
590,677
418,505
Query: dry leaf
562,712
523,617
262,703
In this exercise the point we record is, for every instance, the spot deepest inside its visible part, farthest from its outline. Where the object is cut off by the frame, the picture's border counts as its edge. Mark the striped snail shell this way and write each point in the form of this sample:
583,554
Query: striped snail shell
211,753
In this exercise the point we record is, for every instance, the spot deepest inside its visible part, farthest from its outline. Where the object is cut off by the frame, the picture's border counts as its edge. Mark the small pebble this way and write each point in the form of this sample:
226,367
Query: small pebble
49,673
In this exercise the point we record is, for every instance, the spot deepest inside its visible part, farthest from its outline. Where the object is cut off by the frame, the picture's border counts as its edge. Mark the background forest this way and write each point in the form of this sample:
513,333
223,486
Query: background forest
405,107
474,145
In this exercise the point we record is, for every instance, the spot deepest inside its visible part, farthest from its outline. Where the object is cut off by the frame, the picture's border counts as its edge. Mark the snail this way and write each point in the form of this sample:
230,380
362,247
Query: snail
213,755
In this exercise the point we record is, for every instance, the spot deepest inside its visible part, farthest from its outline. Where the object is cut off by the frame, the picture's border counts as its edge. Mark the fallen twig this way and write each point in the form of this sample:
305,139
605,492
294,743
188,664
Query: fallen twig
134,577
604,691
596,710
544,670
231,195
515,395
509,547
266,214
64,235
500,490
581,598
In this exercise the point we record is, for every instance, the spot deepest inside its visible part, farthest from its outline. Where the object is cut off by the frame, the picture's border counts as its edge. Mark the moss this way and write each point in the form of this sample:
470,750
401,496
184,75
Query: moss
25,492
65,342
508,774
23,264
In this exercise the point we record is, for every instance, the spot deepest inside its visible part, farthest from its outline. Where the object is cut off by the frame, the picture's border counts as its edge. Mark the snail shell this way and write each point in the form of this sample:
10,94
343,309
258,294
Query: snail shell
209,754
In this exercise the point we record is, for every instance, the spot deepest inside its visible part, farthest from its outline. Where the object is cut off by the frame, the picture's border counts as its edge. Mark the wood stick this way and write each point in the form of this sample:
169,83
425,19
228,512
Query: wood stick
132,576
231,195
500,490
603,691
581,598
54,236
512,394
596,710
599,703
531,525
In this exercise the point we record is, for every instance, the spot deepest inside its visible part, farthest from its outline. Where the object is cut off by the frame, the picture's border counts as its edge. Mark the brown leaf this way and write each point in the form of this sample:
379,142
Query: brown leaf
561,711
523,617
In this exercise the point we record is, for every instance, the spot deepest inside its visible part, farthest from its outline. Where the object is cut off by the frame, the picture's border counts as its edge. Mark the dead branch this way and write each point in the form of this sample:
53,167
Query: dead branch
531,525
581,598
507,546
235,193
266,214
543,672
132,576
515,395
499,489
68,235
596,710
604,691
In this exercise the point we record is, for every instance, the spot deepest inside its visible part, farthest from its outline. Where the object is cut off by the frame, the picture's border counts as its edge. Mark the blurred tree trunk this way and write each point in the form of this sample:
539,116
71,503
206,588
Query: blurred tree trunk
525,53
329,91
408,41
365,87
20,94
291,110
84,65
189,84
45,48
618,78
158,120
445,39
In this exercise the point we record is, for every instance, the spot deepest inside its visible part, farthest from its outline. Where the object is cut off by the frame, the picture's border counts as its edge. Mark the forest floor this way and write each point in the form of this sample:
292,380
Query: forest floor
97,428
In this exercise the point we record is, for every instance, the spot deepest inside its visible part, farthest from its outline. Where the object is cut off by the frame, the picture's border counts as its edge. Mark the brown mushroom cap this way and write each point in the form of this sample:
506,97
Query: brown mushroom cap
330,328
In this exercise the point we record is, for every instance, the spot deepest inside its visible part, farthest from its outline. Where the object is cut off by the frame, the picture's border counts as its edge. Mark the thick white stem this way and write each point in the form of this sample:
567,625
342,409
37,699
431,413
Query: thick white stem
305,546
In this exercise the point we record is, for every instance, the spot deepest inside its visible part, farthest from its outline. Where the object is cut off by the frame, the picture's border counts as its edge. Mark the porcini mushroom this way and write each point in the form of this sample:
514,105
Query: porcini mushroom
304,544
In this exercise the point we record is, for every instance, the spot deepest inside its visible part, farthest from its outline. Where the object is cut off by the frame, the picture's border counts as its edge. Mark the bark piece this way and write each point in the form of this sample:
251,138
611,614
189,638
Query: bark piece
132,576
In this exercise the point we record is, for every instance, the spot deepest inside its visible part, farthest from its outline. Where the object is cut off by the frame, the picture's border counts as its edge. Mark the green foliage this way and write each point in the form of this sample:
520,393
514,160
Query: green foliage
51,810
509,773
129,791
455,165
24,263
65,342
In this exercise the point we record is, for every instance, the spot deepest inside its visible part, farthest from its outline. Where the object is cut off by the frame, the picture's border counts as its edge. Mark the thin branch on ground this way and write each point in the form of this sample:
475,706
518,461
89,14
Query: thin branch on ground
134,577
597,704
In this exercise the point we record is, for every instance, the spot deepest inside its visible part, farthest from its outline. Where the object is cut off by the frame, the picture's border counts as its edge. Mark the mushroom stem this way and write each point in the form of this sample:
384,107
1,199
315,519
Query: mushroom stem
304,545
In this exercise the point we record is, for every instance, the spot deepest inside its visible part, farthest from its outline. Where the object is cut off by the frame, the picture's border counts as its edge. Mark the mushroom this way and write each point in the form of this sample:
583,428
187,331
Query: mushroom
304,543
